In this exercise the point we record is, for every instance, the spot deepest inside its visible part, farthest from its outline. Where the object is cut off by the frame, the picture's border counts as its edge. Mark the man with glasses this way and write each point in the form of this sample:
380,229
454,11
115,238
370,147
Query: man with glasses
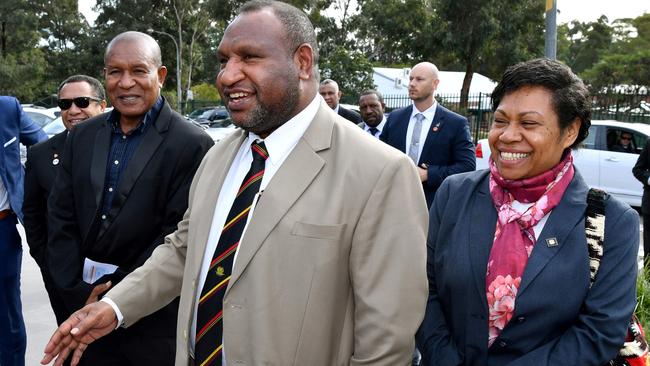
624,143
15,128
80,97
122,186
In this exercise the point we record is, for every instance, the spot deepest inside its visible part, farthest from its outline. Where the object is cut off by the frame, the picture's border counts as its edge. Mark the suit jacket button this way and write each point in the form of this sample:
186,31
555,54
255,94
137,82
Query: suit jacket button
521,319
503,344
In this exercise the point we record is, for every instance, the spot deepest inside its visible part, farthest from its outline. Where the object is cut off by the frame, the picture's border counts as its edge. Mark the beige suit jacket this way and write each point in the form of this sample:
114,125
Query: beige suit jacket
331,269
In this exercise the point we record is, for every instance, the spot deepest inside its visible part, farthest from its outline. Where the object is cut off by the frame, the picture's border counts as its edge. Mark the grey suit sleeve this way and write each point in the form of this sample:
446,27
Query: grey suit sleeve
387,268
600,329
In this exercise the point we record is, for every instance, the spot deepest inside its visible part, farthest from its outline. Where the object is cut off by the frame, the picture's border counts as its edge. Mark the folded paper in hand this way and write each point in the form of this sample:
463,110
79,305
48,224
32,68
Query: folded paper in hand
95,270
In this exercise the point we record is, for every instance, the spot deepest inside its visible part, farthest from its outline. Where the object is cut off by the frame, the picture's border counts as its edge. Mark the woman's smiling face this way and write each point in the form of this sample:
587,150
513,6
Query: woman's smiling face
525,137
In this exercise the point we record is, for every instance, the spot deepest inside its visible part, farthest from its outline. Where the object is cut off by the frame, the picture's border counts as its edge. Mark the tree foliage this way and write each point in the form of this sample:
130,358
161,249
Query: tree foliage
42,41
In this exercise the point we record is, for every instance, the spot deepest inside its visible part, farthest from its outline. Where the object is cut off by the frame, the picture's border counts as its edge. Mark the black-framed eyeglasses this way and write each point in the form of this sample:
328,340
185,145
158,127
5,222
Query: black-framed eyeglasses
81,102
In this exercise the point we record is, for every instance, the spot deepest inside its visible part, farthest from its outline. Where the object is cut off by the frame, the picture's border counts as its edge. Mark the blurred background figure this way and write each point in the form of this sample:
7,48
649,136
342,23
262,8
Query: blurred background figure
372,108
329,90
15,128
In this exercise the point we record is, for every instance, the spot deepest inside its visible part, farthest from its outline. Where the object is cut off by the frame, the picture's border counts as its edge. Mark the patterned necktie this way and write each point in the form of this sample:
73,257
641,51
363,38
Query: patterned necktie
209,326
414,148
373,131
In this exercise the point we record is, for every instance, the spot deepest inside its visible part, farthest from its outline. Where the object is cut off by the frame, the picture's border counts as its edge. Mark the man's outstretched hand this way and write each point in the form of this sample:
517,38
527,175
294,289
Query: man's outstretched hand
83,327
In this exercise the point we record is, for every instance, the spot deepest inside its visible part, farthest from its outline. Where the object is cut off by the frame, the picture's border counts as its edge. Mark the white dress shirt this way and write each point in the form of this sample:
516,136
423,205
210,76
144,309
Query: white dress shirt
426,126
522,207
379,127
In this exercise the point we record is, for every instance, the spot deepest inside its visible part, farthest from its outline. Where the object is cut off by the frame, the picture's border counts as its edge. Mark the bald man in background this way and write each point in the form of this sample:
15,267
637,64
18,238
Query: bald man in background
122,185
436,139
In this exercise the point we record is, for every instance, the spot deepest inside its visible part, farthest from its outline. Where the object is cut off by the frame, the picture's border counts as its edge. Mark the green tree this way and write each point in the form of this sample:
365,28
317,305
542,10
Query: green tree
351,70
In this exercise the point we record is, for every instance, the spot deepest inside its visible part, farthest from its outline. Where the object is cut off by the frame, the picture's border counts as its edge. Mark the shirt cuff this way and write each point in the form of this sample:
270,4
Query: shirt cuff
648,181
118,313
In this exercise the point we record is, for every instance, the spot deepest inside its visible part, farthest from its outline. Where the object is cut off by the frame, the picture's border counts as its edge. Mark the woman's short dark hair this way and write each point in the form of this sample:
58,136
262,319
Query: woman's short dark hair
570,95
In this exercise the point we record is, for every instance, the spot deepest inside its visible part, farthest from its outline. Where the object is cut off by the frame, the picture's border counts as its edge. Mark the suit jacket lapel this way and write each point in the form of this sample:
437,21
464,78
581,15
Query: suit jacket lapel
205,199
564,217
402,125
438,122
294,176
481,235
100,156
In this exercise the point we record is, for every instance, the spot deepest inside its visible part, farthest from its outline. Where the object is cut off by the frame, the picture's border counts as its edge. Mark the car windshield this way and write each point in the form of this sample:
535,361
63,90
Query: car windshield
198,112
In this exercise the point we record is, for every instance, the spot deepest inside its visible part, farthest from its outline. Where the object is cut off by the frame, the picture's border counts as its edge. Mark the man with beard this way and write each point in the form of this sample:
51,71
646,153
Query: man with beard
372,108
122,185
436,139
276,260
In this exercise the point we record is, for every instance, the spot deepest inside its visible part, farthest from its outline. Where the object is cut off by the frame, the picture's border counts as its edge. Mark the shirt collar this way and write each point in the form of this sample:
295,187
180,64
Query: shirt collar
380,126
149,117
281,141
428,113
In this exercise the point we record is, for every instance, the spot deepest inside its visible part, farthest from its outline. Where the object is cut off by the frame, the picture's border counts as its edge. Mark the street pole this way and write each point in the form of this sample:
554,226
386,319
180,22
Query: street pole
550,39
178,68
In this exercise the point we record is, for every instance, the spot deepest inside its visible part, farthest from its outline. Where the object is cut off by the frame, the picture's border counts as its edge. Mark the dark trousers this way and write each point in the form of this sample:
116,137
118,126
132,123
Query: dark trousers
126,348
646,240
13,339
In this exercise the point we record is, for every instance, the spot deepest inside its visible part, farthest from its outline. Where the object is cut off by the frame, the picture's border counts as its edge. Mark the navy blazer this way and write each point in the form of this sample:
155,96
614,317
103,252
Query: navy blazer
15,128
558,320
448,148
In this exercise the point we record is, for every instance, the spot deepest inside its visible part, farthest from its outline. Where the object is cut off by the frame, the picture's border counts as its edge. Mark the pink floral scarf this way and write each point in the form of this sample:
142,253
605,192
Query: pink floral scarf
514,237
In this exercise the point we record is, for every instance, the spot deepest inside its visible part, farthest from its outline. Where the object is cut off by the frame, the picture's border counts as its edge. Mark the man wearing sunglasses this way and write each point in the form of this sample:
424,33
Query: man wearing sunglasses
122,185
15,128
80,97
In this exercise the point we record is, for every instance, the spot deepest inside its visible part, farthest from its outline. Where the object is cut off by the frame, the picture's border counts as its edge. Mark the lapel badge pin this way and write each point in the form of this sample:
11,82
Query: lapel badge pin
436,127
55,161
551,242
220,271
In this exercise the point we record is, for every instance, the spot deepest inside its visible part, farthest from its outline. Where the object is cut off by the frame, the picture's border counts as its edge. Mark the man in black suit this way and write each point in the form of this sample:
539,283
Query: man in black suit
79,97
122,185
372,108
641,172
329,90
437,139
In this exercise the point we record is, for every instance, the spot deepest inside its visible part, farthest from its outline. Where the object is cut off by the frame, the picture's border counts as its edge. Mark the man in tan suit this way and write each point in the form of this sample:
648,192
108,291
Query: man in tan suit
330,269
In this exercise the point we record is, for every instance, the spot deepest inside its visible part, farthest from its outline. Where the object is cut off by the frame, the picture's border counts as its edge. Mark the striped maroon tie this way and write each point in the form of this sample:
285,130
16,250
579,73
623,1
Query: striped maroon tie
209,326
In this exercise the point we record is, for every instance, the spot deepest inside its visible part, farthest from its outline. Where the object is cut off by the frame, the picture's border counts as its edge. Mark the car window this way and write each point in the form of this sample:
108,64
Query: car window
624,141
590,141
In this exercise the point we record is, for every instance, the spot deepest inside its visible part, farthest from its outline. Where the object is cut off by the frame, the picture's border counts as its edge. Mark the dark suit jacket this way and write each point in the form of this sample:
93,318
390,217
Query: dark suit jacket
151,199
350,115
558,319
41,166
641,171
447,150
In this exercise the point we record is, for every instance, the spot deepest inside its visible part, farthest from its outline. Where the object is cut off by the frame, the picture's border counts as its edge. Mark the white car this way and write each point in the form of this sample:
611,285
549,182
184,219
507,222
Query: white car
220,128
597,163
41,116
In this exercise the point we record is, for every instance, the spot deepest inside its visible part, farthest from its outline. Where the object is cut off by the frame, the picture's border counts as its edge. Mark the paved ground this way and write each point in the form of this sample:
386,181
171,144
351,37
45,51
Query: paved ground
39,318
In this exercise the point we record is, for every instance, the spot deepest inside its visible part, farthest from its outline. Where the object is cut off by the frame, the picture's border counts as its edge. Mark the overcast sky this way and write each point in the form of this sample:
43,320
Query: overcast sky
583,10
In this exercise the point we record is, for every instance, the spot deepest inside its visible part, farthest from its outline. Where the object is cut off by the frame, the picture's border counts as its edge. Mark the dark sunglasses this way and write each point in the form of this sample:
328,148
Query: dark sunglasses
81,102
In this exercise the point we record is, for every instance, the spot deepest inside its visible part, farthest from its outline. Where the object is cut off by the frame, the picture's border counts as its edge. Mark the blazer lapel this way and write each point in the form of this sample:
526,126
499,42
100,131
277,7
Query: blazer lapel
207,194
564,217
437,124
402,123
294,176
98,162
481,235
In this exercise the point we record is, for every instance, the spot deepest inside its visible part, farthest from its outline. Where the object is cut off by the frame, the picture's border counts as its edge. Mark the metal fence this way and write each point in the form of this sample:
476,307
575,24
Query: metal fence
624,107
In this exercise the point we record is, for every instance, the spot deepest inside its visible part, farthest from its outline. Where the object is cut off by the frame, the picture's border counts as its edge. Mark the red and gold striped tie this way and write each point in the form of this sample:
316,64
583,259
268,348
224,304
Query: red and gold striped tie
209,325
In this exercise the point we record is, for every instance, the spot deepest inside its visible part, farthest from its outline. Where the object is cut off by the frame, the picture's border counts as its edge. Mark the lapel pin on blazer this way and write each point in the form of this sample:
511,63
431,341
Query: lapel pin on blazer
436,127
551,242
55,161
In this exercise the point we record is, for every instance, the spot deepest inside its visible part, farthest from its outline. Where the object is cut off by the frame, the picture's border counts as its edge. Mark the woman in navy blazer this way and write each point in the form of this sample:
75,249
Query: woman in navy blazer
507,260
